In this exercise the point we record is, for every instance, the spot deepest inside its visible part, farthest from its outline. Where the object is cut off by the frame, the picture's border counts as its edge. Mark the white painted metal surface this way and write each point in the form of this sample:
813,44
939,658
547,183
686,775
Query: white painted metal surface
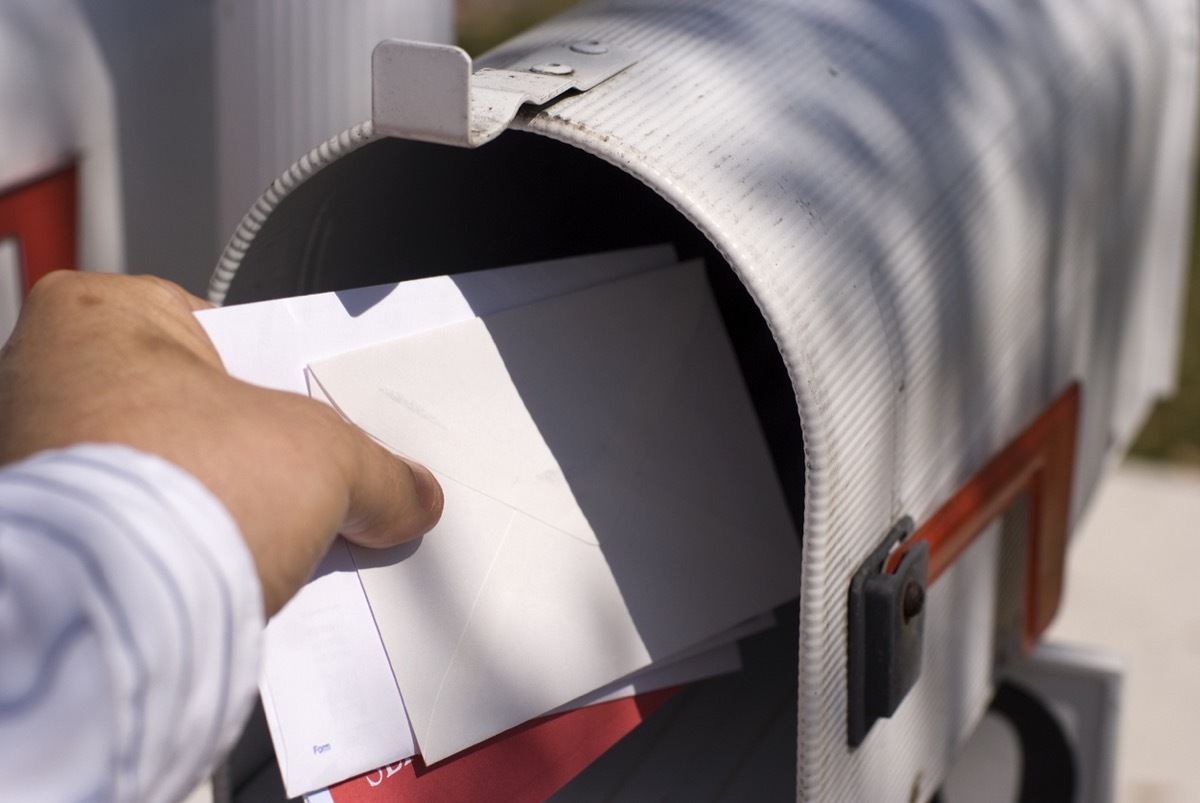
430,93
292,73
1082,687
946,213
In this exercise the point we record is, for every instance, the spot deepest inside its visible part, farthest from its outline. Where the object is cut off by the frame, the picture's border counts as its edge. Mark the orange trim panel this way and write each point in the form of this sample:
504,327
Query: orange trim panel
1041,460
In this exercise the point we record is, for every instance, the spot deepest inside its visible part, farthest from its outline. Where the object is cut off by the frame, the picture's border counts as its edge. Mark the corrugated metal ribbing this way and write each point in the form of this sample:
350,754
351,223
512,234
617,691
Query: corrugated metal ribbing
900,187
709,118
947,212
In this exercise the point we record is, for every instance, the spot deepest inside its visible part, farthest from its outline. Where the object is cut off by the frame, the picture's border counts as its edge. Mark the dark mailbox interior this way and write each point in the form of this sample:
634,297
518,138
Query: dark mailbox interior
396,210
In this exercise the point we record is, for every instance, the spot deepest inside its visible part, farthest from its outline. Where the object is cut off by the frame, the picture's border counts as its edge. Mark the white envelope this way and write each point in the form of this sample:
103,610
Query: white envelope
609,500
717,656
330,698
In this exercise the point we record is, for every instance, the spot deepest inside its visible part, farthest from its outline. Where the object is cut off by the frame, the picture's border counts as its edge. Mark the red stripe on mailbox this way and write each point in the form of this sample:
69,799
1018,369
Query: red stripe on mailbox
43,216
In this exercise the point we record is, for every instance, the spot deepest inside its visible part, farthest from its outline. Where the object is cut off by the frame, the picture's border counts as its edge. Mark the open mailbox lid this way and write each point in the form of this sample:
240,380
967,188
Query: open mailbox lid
925,223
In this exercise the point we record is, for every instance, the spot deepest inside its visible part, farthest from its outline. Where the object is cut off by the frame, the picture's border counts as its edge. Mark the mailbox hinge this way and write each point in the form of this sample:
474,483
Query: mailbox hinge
428,92
886,628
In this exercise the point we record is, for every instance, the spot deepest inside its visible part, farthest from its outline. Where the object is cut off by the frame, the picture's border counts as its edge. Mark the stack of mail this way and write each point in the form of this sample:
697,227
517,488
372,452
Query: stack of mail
612,519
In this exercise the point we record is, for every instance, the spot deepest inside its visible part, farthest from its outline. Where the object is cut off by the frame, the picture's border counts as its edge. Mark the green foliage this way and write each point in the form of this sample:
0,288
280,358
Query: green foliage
483,24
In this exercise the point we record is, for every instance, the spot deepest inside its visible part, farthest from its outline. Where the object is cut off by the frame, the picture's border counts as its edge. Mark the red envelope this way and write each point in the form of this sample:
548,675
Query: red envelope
527,763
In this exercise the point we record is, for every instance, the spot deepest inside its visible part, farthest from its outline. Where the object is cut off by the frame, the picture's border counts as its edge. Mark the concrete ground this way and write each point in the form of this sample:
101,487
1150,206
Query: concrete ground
1133,587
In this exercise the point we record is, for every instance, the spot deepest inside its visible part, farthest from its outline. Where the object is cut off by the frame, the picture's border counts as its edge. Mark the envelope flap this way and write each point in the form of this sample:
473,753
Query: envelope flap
421,397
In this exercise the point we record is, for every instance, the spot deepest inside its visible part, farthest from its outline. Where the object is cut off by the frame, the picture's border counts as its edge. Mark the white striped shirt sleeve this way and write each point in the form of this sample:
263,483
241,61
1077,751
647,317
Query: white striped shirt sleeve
130,622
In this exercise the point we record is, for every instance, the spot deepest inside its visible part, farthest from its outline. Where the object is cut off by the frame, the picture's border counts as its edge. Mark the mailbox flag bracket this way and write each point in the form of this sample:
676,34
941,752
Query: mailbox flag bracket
886,629
430,92
1039,461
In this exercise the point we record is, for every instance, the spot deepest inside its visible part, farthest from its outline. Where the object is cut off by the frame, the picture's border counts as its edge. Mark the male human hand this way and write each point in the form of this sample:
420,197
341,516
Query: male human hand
102,358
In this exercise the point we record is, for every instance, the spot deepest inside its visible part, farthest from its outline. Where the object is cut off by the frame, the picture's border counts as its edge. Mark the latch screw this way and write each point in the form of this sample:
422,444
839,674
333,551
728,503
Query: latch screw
552,68
590,48
913,601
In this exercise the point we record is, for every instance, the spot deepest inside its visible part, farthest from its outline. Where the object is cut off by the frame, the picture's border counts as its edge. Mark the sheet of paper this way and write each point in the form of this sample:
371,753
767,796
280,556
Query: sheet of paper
530,762
316,627
269,344
717,656
718,660
609,500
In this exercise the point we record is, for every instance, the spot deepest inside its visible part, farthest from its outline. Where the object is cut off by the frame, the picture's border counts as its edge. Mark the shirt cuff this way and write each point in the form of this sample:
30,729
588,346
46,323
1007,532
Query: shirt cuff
164,581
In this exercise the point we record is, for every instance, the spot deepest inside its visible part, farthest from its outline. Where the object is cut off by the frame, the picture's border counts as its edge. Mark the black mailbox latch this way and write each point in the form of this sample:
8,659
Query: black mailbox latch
886,627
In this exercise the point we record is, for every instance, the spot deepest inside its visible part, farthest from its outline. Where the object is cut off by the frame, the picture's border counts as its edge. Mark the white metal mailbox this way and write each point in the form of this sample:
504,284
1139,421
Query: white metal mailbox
926,222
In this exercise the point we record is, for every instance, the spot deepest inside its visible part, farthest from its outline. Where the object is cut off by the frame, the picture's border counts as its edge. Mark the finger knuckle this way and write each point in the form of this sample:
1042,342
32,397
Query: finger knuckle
56,284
